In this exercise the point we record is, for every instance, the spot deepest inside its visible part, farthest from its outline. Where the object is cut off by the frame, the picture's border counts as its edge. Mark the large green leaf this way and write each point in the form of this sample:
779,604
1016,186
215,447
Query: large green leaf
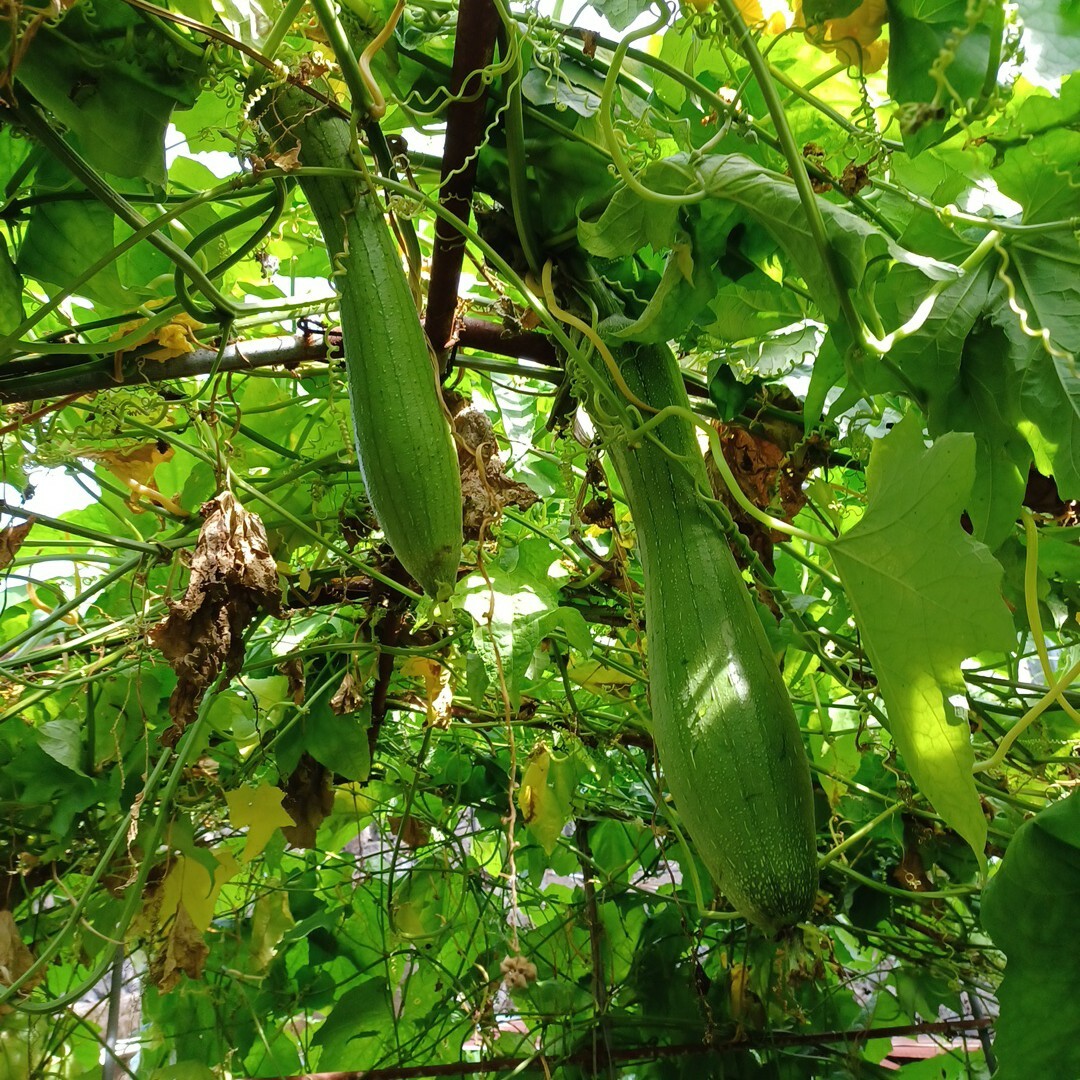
1029,909
66,236
11,309
931,356
925,597
113,78
356,1033
936,61
859,248
983,399
1044,342
1051,39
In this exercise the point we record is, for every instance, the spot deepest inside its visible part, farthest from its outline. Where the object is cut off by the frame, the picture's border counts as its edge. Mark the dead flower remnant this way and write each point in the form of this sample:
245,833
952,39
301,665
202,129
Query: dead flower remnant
233,580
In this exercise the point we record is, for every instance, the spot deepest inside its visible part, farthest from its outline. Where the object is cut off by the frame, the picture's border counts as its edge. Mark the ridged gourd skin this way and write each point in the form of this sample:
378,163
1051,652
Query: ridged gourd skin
403,440
726,733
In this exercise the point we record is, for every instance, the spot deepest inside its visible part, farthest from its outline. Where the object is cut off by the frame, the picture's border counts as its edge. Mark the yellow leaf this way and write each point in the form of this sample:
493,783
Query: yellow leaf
593,675
188,885
438,693
271,920
546,793
260,811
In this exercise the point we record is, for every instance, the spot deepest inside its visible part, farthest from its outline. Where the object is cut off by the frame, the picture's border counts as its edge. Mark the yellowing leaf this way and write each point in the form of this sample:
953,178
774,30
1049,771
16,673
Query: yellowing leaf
188,885
854,38
438,693
546,794
593,675
270,921
258,810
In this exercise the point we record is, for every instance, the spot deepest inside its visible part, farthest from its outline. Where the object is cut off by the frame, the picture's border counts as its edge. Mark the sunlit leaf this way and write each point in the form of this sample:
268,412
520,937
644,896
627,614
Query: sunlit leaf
257,809
926,597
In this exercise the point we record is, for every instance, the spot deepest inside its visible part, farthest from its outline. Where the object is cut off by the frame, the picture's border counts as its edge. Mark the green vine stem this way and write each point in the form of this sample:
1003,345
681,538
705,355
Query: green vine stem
606,117
1031,606
1052,697
327,15
858,834
515,144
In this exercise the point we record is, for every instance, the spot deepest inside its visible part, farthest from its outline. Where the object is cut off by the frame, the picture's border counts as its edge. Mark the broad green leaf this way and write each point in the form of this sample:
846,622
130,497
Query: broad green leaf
1029,909
926,597
339,742
1051,40
773,355
1042,177
65,237
184,1070
627,224
270,922
920,32
358,1028
62,740
112,78
743,312
259,810
573,625
570,86
507,613
984,401
1045,374
772,200
684,292
931,356
620,13
11,309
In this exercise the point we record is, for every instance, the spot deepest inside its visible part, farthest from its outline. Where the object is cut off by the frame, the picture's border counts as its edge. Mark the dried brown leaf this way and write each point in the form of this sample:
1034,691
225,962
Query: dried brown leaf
349,696
233,581
185,953
309,799
293,670
15,957
11,540
415,834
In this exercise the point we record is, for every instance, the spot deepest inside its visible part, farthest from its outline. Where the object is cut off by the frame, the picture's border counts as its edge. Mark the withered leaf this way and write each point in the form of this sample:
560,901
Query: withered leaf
233,580
769,476
293,670
15,957
184,953
485,487
349,696
309,799
11,540
415,834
